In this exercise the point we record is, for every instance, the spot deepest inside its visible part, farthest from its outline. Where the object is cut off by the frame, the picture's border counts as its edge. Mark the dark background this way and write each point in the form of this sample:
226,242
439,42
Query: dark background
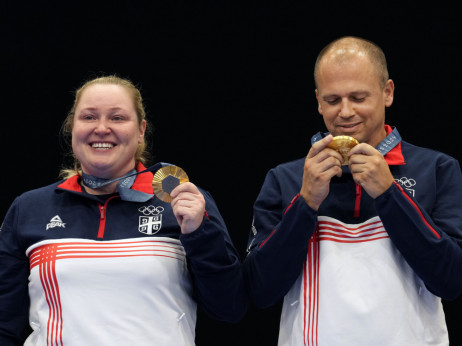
228,87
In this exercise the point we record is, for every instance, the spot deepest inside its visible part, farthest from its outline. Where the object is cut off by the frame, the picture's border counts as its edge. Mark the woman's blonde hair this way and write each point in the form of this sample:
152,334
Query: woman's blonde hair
141,154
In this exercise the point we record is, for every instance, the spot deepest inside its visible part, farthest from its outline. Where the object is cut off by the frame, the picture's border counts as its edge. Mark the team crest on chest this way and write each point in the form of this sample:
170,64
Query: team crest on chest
151,220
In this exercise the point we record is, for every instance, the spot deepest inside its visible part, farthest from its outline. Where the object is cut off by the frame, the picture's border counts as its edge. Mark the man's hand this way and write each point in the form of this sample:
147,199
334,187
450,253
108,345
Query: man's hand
369,169
188,206
321,164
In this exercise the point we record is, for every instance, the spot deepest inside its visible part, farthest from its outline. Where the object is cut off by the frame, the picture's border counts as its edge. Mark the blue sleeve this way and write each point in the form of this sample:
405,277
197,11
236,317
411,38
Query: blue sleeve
278,243
429,240
216,267
14,274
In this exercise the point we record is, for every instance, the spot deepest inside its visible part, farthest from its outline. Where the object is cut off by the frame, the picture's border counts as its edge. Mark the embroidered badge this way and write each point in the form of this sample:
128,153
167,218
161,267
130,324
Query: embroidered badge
407,184
56,222
151,220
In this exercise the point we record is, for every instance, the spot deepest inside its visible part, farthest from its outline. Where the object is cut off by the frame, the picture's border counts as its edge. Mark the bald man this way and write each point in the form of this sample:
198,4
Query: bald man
362,247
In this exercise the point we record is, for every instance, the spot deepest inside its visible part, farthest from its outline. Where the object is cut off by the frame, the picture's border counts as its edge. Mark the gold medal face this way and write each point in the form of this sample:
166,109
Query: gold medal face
166,179
343,144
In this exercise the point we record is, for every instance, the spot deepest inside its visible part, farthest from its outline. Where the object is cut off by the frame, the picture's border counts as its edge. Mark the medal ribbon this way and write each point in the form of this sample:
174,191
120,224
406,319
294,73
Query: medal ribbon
125,183
389,142
384,146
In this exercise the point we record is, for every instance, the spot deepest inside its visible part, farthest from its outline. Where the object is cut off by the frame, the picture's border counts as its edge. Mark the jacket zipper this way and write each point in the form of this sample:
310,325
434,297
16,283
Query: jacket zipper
102,218
357,200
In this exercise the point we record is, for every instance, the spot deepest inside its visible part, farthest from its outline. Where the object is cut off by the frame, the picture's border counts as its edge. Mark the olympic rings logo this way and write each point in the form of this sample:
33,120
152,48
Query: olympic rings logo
150,210
406,182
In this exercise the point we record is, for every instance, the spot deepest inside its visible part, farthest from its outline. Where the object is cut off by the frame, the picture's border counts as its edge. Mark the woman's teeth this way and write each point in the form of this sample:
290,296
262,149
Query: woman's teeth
102,145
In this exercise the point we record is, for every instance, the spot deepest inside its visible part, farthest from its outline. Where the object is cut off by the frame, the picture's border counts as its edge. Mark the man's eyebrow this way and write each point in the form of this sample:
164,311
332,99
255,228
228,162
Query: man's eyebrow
330,96
361,92
353,93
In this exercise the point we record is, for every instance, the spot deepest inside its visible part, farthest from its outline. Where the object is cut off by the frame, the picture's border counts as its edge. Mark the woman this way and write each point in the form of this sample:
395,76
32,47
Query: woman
92,260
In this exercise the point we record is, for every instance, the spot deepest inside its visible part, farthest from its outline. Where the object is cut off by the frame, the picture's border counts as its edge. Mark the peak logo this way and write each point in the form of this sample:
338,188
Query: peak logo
56,222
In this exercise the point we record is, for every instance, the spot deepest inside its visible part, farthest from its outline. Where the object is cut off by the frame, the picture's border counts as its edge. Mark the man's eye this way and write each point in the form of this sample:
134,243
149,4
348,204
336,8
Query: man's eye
358,99
332,101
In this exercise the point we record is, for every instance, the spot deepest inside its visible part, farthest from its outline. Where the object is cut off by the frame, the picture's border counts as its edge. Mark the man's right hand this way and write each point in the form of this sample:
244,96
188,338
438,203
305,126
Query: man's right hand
321,164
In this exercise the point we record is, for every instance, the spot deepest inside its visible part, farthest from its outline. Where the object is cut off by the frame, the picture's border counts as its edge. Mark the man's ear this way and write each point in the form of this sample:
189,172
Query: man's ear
388,92
319,103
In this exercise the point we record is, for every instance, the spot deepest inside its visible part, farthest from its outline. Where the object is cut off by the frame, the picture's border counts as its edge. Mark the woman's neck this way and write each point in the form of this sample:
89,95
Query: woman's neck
103,190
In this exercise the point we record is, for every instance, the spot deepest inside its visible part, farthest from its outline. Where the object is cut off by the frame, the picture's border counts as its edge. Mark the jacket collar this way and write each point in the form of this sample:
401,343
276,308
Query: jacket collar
143,182
395,155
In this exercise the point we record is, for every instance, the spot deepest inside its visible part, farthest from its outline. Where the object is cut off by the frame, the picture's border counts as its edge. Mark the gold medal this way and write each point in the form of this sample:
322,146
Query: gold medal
166,179
343,144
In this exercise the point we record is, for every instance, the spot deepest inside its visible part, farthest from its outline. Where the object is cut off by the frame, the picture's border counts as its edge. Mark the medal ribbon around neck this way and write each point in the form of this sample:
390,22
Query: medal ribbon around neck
384,146
166,178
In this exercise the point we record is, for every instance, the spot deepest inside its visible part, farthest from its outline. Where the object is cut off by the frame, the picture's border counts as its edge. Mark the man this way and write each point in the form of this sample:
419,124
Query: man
362,253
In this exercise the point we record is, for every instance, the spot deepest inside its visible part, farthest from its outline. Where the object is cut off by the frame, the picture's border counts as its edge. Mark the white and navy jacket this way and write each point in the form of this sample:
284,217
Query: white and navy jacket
360,271
87,270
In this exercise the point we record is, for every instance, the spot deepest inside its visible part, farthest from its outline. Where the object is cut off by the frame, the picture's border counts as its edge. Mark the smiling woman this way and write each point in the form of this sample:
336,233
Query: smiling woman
107,112
105,132
75,256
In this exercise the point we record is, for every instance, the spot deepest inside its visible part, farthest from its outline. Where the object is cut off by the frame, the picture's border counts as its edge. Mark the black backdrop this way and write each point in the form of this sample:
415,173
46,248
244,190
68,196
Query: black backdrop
228,87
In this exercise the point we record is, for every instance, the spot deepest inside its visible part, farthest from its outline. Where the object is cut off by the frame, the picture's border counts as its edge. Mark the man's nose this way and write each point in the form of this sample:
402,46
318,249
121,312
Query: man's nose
346,109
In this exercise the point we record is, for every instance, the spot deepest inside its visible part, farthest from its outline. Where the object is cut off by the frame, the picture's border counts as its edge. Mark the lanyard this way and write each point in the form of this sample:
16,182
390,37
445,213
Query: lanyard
389,142
125,183
384,146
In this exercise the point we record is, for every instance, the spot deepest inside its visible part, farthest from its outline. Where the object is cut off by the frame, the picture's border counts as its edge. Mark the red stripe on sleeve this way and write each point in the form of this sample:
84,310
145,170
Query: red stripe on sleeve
290,205
418,209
